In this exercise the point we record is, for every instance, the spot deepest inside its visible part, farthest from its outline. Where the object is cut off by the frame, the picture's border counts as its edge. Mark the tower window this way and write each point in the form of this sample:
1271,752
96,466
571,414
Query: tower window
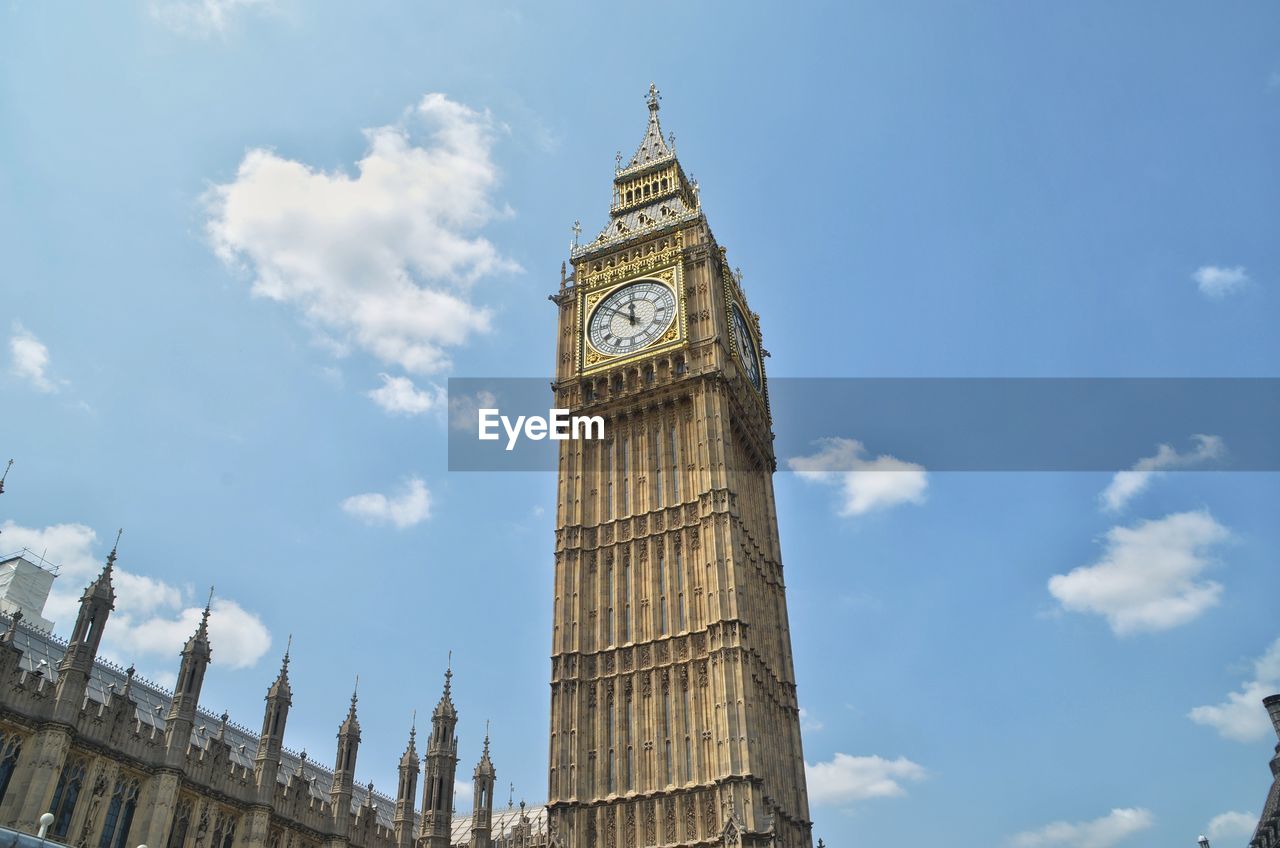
662,589
679,589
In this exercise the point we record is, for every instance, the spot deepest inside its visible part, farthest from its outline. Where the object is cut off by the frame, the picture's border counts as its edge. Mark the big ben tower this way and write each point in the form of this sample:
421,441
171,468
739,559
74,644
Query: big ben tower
673,701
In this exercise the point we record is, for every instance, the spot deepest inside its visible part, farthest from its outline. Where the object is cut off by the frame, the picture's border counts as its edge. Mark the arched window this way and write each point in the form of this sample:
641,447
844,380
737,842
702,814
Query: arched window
181,821
224,831
65,797
10,747
115,827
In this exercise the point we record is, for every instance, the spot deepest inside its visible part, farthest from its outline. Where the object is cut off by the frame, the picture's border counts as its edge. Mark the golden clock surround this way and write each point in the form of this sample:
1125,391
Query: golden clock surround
590,360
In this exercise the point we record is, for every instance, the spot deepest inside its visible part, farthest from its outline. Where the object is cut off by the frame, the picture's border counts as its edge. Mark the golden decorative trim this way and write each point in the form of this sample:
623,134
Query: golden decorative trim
634,267
604,283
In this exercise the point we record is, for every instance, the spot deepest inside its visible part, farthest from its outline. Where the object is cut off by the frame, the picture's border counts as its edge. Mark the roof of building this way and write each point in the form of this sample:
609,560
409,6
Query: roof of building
676,204
502,823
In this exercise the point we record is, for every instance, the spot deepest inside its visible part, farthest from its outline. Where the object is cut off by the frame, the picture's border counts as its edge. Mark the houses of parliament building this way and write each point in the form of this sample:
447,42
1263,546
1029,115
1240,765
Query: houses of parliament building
674,719
673,714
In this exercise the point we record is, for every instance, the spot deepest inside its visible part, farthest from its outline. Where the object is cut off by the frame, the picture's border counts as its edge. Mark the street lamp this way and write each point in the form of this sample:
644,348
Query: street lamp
1203,842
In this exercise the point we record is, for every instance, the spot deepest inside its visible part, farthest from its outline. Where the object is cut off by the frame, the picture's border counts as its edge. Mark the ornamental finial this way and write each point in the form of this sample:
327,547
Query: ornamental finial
654,97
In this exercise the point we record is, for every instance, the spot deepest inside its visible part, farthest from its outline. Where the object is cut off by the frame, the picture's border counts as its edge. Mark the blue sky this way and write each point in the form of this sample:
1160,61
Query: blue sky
223,222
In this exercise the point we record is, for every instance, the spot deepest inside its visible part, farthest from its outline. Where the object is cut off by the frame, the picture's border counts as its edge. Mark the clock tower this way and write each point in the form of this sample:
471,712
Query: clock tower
674,719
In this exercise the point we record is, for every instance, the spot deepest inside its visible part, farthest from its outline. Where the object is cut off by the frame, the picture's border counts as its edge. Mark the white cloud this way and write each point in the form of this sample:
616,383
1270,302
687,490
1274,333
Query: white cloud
1104,832
1217,283
30,359
383,261
809,722
1232,825
412,505
1241,716
202,18
846,778
1126,485
464,409
399,396
865,484
1148,576
152,619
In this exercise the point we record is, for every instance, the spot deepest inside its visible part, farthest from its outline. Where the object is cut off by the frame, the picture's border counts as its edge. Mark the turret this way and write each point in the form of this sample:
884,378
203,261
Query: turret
96,604
267,762
439,767
344,768
482,795
405,792
196,655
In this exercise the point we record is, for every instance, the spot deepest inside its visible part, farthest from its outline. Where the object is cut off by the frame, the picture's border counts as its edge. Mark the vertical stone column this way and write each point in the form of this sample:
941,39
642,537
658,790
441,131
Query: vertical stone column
156,804
255,828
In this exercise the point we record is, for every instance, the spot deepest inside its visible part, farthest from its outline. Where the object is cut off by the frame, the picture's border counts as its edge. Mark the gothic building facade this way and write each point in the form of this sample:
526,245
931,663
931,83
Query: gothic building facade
120,762
674,718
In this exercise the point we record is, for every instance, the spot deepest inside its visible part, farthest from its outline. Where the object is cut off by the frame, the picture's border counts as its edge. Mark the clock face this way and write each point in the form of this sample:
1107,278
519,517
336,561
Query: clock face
632,317
747,348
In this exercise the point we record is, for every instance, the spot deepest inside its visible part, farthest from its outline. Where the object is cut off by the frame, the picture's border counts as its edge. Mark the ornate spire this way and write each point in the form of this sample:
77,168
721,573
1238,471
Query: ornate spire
653,147
200,639
351,724
281,688
651,193
410,758
445,707
5,475
101,588
485,766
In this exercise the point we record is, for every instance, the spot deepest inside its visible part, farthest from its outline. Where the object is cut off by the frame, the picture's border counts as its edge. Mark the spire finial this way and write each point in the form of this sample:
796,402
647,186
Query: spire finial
654,97
10,465
111,557
486,737
204,619
448,674
413,727
284,666
355,692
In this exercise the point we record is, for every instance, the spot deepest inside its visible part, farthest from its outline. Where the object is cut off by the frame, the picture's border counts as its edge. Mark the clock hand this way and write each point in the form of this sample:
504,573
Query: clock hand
631,312
614,311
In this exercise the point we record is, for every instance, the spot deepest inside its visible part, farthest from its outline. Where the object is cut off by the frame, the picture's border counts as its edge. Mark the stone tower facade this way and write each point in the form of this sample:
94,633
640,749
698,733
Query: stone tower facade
673,702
